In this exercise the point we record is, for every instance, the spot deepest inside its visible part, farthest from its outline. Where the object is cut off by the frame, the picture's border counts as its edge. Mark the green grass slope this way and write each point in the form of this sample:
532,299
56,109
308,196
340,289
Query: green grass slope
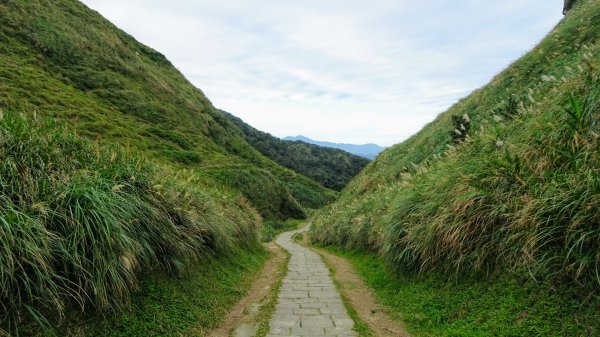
332,168
63,60
80,223
506,179
120,183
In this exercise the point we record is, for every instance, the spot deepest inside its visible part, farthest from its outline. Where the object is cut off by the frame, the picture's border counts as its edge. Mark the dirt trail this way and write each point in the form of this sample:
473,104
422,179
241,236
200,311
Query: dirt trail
362,297
242,315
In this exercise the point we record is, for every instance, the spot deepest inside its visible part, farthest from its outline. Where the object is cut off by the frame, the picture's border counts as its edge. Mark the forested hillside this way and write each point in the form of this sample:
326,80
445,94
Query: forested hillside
332,168
508,179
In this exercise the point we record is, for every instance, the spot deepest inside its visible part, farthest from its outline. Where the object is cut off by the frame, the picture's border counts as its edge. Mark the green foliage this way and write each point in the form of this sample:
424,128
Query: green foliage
266,193
581,119
183,156
332,168
189,304
512,106
272,228
520,192
167,305
508,305
173,136
80,222
65,61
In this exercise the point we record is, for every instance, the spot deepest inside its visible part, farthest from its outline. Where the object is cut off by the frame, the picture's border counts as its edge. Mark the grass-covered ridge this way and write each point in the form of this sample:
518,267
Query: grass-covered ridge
80,222
66,61
506,179
332,168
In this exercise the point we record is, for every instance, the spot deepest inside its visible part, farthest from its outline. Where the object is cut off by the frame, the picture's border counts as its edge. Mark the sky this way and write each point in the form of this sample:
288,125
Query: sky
350,71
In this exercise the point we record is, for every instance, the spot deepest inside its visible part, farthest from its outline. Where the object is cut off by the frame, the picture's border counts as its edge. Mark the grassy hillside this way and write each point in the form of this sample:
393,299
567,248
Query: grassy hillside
63,60
506,179
332,168
117,174
81,222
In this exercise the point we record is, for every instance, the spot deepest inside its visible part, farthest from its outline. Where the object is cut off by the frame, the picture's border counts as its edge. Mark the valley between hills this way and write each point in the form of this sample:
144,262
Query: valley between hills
131,206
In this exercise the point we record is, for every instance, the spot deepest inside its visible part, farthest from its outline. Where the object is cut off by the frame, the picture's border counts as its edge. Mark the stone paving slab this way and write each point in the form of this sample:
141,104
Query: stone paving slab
308,303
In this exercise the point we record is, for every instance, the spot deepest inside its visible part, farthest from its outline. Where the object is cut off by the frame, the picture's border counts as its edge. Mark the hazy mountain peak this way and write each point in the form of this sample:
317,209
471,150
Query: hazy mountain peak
369,150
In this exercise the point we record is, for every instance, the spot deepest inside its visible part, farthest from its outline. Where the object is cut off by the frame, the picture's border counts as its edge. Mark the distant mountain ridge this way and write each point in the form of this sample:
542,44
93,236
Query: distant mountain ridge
332,168
365,150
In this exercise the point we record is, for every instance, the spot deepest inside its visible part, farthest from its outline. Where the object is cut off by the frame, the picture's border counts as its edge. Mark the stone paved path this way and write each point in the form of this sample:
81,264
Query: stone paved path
308,304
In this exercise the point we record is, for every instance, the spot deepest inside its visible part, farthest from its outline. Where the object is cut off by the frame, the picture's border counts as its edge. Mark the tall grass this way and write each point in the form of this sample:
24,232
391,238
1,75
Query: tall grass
530,201
531,204
518,190
79,223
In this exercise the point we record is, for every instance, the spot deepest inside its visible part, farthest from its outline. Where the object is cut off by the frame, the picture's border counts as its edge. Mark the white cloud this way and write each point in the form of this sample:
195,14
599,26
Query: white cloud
346,71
